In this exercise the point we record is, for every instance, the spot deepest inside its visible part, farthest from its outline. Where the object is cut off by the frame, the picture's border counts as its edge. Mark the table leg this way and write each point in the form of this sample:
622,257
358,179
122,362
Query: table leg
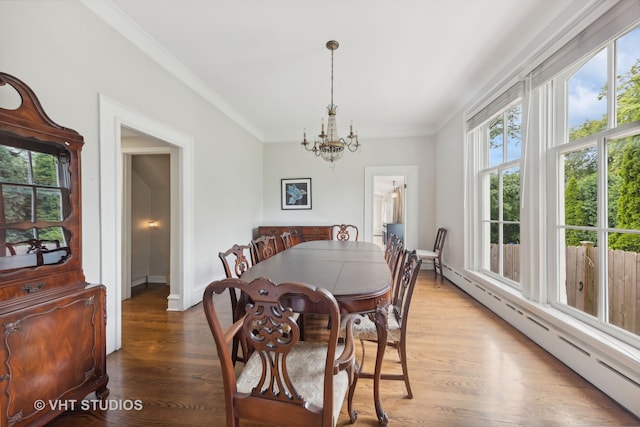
381,329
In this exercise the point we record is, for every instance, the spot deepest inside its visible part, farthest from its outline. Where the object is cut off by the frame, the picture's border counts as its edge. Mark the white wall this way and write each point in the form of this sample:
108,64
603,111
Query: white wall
450,206
338,195
68,57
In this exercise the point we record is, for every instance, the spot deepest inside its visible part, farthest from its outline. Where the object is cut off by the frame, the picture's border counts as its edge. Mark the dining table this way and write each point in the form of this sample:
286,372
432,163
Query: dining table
357,275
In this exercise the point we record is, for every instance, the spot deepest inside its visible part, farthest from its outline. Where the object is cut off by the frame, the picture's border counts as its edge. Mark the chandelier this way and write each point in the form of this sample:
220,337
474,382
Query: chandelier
329,145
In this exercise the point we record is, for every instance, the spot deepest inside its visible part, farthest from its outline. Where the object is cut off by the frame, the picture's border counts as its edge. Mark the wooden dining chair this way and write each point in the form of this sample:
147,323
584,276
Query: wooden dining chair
287,240
344,232
394,255
264,247
236,260
391,240
398,320
286,381
436,254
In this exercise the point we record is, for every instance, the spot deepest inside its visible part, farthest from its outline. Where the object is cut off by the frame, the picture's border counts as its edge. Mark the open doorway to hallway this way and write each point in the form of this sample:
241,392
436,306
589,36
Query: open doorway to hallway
389,211
114,119
150,212
146,210
406,209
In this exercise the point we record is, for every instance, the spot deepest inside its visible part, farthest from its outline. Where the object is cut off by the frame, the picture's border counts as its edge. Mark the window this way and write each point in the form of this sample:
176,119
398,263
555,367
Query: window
598,156
499,144
553,180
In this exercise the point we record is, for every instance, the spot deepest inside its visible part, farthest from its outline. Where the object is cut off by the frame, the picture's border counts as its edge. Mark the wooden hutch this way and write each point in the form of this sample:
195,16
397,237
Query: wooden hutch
53,351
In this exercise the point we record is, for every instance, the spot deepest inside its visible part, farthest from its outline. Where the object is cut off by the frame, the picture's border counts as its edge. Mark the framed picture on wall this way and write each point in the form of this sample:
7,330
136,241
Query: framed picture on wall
296,193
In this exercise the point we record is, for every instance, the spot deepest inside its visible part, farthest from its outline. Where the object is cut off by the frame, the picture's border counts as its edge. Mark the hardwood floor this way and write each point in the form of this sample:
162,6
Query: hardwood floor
467,367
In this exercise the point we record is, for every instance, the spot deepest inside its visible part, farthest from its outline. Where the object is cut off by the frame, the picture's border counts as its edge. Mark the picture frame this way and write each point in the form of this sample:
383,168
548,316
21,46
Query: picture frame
295,193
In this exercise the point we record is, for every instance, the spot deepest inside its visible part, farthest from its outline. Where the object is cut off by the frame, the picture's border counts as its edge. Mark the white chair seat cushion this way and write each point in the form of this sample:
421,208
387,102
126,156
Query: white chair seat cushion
366,330
306,367
423,253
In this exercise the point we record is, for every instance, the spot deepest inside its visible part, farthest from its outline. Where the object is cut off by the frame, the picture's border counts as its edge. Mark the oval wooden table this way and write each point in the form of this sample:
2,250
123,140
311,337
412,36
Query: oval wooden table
357,275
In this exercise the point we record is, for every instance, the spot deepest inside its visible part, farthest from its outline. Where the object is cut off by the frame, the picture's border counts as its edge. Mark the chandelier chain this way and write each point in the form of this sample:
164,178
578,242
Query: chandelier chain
332,76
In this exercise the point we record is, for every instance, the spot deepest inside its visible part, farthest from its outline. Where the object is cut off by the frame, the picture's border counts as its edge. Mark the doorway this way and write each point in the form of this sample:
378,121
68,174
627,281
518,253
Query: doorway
379,179
146,210
114,117
389,208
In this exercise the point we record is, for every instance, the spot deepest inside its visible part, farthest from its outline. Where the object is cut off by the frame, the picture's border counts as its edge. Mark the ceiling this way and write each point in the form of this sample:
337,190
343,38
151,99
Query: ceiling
403,67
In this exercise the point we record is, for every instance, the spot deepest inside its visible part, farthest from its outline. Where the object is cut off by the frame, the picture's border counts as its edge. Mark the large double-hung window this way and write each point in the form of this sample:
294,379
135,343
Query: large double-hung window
496,135
597,150
501,195
553,179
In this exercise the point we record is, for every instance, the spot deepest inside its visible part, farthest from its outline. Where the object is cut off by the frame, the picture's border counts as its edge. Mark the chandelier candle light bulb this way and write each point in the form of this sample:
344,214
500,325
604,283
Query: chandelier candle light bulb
330,146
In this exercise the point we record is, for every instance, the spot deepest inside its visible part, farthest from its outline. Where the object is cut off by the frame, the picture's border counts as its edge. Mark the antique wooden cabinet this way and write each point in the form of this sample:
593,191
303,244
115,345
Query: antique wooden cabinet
53,351
299,233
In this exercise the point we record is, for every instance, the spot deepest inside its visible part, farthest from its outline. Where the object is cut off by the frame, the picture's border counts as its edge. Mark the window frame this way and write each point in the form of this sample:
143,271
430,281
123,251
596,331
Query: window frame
479,138
558,108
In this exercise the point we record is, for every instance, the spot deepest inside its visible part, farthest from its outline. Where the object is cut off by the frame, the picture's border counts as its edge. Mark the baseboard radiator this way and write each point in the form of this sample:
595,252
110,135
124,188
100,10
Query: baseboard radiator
613,369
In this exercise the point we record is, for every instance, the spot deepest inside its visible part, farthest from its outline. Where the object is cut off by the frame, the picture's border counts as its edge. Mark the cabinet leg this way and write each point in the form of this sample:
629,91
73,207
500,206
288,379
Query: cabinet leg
102,392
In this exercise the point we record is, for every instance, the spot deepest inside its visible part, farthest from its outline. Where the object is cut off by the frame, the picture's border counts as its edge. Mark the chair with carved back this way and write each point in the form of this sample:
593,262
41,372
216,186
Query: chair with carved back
287,240
286,381
391,240
236,260
436,254
396,272
344,232
264,247
398,317
395,253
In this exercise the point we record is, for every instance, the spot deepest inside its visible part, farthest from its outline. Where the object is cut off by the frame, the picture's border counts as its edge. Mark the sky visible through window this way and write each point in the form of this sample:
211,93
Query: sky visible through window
589,82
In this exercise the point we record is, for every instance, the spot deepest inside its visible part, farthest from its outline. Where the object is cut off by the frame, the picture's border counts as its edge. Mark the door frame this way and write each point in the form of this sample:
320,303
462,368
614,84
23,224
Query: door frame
113,116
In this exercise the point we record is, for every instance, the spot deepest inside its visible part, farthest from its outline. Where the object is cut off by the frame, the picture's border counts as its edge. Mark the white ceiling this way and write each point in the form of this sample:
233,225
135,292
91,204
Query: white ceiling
403,68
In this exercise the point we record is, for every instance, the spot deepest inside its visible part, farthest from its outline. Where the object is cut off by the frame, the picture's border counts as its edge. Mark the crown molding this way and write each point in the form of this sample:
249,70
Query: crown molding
130,30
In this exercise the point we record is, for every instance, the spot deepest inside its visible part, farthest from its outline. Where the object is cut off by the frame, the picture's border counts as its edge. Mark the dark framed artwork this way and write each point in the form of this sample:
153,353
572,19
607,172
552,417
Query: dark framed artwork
296,193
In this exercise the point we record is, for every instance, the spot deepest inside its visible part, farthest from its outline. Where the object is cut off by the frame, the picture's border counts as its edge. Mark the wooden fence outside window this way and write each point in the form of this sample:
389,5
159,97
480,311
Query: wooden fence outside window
582,281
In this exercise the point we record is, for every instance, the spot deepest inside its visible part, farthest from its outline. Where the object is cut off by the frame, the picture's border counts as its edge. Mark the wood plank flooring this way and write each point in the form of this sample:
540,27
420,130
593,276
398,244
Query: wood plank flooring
467,367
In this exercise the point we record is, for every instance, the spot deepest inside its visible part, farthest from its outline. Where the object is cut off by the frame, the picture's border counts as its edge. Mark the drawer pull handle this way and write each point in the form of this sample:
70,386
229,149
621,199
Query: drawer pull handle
33,287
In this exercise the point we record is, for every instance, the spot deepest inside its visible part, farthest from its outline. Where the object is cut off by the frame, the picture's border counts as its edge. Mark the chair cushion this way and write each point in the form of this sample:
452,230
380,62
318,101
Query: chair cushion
306,365
423,253
366,330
